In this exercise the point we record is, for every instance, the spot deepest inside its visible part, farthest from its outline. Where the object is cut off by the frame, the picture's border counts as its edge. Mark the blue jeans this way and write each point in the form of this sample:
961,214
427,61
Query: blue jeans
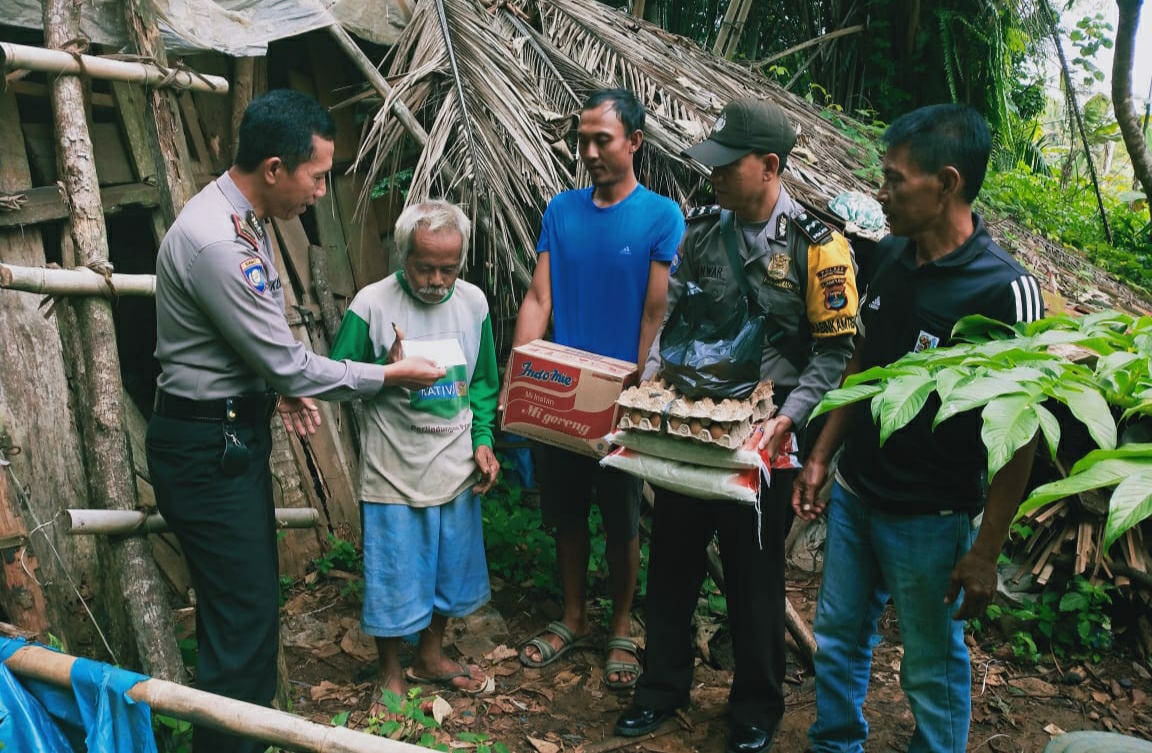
868,555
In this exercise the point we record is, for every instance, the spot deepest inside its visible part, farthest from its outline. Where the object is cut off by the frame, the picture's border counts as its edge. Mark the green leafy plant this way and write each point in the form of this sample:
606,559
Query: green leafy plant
1072,621
407,719
1010,375
172,735
400,180
341,555
519,550
1069,215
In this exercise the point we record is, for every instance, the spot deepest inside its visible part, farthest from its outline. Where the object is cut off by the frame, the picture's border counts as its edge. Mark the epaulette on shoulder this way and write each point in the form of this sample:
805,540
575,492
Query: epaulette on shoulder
700,213
814,229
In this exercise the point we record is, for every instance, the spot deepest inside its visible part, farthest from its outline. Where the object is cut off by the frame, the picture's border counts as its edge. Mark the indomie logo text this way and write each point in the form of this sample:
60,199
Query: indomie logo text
546,375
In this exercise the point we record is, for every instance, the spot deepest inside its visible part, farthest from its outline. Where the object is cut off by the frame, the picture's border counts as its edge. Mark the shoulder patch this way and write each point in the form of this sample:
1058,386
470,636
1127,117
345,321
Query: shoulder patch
245,232
814,229
253,271
700,213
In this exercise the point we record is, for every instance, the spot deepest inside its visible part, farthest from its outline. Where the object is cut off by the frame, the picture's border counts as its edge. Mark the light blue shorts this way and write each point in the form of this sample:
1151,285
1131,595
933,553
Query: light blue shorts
419,561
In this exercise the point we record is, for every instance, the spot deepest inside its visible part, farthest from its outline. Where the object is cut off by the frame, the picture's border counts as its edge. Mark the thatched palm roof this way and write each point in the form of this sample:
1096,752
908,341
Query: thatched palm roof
496,85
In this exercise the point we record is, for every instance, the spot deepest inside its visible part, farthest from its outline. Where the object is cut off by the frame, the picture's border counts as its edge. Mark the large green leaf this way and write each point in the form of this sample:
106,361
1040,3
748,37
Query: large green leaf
1130,504
901,400
1010,422
978,392
951,379
1132,451
1091,409
846,396
1104,473
1051,428
978,328
875,373
1144,407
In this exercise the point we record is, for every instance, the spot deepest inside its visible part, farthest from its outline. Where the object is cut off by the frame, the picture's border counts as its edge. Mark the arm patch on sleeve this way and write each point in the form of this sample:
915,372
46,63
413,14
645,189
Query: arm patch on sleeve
831,298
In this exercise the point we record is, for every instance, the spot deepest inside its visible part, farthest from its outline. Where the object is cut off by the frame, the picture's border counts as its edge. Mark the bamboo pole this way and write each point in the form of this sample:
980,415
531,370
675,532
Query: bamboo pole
79,281
270,726
108,462
19,56
804,45
128,522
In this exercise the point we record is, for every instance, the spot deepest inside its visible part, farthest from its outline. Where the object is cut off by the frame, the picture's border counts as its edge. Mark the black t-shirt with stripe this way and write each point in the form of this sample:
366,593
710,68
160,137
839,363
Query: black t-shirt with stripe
909,308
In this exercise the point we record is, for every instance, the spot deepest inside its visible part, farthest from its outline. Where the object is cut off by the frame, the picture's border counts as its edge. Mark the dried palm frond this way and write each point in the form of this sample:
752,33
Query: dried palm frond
496,85
458,75
496,89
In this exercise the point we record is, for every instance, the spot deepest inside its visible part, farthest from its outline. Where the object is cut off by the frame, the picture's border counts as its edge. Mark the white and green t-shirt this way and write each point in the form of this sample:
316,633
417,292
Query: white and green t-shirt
417,447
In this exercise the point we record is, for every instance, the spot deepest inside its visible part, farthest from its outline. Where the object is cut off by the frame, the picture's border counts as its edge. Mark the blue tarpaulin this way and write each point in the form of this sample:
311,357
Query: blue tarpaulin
95,715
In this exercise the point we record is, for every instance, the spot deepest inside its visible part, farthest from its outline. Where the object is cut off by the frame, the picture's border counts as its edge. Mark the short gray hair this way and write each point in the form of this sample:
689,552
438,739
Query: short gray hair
434,215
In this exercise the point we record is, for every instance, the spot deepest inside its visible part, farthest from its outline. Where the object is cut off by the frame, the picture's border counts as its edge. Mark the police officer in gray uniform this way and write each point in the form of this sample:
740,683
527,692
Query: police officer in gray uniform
226,353
764,247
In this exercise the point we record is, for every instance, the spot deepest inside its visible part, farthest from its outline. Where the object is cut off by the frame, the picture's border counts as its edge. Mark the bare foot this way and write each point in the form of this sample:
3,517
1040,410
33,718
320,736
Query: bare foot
392,682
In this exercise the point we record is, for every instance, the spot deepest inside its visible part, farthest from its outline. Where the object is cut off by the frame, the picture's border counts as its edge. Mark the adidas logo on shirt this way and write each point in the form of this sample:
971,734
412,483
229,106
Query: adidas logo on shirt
875,304
626,251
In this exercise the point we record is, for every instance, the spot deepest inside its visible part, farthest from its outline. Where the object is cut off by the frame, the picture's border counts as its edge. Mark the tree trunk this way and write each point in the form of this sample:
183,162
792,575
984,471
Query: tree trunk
170,151
35,415
1070,94
108,462
1122,95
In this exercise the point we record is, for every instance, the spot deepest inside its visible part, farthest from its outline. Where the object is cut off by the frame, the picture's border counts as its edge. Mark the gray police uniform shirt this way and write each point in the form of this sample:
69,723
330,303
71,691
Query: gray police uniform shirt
220,325
818,305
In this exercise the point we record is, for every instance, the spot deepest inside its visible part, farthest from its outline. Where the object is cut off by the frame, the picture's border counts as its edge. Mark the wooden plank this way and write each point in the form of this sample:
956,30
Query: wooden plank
130,108
294,244
326,453
1083,545
44,204
331,232
331,82
34,404
201,156
366,253
112,165
214,110
36,89
132,104
20,593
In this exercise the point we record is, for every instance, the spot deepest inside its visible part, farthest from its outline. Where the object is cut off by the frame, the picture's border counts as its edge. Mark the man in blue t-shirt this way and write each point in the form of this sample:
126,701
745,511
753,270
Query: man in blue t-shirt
602,276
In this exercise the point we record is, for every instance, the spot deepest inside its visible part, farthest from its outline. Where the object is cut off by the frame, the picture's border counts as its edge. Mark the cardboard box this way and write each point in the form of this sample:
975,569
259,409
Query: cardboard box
563,396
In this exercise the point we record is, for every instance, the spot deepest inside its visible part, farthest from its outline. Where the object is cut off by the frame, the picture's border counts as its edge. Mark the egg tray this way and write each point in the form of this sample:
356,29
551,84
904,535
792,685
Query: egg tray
726,423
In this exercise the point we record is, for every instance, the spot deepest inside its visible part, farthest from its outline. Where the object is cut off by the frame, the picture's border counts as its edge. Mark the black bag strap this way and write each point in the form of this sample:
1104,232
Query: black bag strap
728,230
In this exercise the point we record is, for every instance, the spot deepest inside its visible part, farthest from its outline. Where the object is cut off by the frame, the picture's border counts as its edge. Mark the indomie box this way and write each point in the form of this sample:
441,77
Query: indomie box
563,396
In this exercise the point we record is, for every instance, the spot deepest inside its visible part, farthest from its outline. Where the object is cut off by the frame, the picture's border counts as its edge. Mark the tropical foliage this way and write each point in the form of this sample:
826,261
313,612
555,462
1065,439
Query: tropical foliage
1016,377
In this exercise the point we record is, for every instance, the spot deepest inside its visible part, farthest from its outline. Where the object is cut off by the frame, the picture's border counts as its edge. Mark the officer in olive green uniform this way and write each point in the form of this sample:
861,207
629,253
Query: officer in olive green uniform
801,274
225,350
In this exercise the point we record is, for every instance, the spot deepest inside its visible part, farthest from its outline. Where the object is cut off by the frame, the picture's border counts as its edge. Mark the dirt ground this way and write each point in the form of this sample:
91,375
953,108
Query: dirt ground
566,707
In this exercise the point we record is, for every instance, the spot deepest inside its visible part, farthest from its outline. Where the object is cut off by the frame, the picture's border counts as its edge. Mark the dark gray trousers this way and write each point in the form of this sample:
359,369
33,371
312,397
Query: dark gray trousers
226,527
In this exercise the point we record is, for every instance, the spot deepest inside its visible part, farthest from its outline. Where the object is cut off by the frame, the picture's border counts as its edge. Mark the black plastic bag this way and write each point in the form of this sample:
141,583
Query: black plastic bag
709,350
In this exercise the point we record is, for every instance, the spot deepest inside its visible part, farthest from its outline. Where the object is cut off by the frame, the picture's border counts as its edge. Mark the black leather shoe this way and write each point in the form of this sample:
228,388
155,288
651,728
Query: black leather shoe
748,738
639,720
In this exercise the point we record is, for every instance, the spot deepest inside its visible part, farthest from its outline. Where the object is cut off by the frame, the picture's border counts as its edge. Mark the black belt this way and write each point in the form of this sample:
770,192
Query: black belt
242,408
